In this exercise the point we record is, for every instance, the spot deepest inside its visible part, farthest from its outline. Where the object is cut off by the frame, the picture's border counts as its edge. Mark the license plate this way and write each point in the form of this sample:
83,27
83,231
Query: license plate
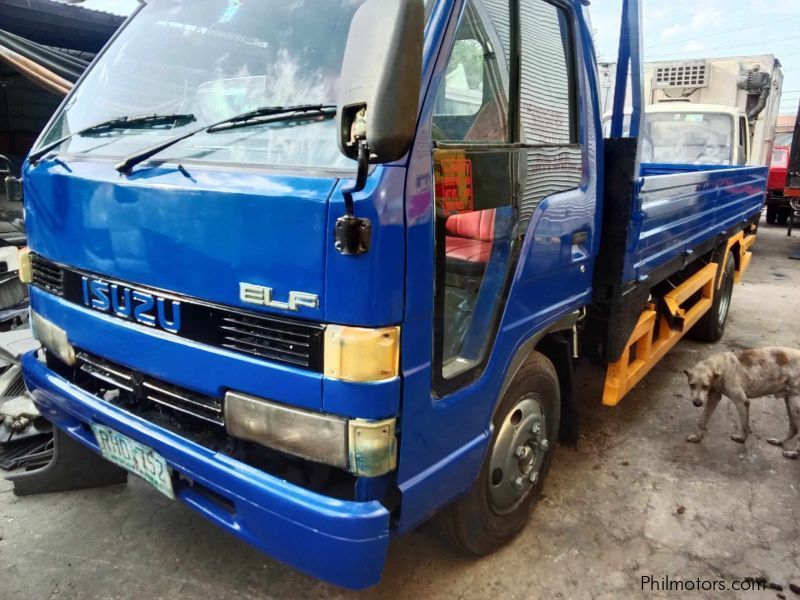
135,457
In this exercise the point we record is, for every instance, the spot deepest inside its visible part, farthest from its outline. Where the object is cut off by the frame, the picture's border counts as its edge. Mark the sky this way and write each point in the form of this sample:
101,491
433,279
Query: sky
676,29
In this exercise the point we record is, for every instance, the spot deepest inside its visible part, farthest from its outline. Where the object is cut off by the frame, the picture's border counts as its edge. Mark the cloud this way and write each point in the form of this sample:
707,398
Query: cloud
705,19
671,32
694,46
656,12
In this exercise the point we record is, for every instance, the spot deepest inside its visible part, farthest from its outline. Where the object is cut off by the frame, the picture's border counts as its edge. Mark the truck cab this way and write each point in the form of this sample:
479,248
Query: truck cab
778,210
322,274
693,134
700,134
747,88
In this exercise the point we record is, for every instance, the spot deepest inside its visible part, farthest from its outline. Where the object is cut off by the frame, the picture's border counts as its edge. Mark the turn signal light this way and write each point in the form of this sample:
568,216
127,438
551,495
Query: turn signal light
357,354
25,265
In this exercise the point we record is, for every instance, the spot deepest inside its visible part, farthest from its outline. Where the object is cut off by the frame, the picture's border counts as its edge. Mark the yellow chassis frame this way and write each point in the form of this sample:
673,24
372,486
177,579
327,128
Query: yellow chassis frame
653,336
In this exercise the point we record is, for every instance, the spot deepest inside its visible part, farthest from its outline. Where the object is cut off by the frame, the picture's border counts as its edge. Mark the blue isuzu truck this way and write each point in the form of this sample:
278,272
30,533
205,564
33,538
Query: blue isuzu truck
321,270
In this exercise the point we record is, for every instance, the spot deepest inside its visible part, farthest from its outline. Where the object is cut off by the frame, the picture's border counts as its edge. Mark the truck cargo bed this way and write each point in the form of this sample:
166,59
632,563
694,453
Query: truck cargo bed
657,220
675,214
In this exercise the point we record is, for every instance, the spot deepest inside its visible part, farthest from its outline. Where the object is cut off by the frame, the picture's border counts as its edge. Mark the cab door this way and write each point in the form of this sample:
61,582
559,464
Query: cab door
743,150
501,223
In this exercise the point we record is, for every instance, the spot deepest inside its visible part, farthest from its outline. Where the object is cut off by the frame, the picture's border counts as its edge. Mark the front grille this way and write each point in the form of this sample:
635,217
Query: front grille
148,390
194,417
277,339
48,276
262,337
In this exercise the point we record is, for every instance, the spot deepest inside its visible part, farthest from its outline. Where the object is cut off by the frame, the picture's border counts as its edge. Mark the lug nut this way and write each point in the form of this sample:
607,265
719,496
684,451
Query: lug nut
523,453
534,477
536,428
518,483
544,444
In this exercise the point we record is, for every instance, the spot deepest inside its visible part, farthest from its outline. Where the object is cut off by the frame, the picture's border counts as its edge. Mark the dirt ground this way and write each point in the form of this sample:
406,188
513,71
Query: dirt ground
634,500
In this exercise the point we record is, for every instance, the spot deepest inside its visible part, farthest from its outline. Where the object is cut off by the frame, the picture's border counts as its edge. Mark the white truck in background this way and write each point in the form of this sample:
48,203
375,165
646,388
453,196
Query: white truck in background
708,111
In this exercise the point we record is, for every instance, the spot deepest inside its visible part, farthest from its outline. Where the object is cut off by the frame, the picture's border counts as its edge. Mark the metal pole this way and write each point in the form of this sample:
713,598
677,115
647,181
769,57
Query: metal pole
629,60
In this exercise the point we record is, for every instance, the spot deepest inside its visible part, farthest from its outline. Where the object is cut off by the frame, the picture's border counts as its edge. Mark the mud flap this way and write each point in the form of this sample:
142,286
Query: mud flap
73,467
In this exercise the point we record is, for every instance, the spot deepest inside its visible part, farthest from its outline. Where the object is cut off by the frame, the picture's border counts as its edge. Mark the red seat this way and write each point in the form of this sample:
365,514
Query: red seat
469,237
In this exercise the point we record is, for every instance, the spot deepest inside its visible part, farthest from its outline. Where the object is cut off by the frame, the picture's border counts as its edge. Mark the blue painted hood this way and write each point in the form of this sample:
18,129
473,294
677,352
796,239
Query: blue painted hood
201,236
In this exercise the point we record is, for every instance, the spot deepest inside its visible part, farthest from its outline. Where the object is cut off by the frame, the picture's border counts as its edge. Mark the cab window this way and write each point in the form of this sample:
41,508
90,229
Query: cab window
504,131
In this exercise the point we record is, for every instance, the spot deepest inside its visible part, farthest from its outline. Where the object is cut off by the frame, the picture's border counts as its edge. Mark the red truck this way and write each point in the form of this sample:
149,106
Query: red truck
778,209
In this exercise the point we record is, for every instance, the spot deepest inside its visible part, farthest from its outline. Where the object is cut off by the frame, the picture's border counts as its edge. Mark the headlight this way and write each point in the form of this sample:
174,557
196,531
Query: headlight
365,448
356,354
52,337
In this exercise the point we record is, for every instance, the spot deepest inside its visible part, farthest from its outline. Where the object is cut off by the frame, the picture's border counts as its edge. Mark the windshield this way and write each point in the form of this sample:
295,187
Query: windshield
687,138
214,59
683,138
780,157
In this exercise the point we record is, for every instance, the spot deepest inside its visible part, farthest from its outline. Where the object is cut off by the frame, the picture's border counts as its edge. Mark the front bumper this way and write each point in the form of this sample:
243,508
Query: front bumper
776,197
339,541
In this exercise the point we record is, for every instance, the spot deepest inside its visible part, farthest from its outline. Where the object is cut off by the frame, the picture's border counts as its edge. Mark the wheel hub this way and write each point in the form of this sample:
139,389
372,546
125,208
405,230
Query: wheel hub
518,454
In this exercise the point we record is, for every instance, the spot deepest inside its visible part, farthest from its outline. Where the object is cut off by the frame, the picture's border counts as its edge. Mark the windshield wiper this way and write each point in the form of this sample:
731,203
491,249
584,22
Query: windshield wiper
111,125
287,113
259,116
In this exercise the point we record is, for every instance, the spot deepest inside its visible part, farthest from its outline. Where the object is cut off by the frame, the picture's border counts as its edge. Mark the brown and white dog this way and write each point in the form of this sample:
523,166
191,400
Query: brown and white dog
744,375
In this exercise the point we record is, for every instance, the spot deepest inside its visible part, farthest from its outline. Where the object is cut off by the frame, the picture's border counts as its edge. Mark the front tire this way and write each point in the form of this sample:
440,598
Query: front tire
498,504
711,326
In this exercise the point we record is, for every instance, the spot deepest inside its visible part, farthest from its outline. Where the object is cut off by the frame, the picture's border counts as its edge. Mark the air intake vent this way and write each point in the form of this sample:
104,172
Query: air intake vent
147,390
203,407
48,276
683,75
274,340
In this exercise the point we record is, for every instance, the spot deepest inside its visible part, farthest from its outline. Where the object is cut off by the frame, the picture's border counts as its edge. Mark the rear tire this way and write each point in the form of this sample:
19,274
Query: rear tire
498,504
772,214
711,326
783,215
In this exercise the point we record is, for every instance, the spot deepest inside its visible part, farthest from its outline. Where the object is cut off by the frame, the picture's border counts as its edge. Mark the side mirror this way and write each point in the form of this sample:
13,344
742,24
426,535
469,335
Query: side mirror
381,79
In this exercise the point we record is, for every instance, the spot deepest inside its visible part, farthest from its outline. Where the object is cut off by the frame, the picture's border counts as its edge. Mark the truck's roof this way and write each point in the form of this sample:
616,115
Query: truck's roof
685,107
690,107
769,59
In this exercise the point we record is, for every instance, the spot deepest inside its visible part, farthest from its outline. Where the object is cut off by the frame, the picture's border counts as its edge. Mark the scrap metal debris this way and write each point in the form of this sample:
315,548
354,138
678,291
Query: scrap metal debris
26,438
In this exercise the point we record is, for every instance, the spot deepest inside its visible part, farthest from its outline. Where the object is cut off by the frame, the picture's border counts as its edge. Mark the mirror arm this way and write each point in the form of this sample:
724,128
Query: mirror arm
361,179
352,234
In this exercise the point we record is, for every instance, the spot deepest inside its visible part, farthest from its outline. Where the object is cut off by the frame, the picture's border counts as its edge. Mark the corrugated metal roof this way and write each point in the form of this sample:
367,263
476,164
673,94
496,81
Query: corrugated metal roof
58,24
87,5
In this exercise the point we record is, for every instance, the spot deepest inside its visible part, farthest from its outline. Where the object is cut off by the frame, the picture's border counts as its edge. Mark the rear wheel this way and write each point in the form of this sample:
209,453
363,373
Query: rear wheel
711,326
499,502
783,215
772,214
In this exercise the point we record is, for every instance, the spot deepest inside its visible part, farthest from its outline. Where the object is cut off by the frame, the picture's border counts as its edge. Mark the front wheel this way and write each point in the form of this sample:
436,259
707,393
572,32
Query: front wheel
499,502
711,325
